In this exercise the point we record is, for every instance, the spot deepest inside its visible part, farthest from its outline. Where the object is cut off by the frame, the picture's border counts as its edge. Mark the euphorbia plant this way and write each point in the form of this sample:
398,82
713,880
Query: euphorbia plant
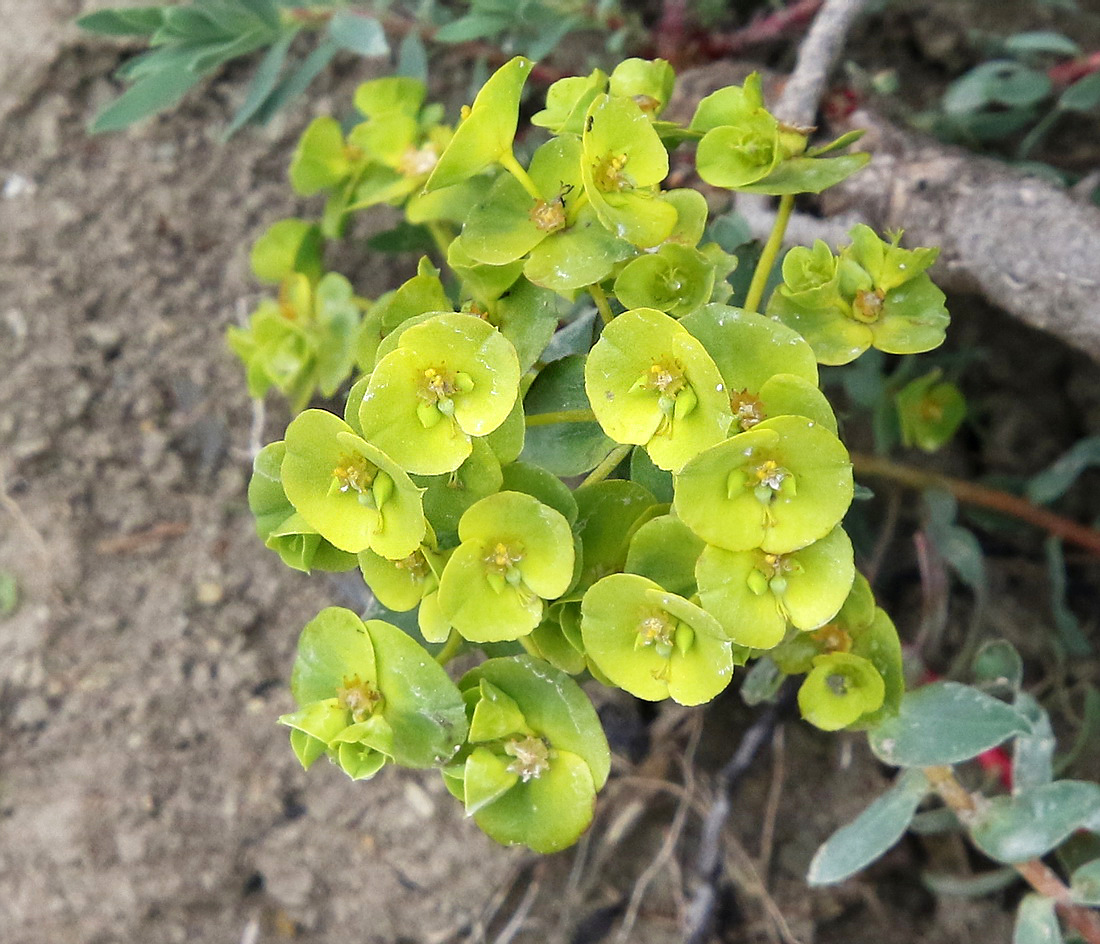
700,526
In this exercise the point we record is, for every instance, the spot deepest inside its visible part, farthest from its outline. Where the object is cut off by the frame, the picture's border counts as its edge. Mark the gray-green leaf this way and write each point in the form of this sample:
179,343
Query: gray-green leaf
1022,827
1036,922
1085,884
1033,754
150,94
359,34
869,835
945,723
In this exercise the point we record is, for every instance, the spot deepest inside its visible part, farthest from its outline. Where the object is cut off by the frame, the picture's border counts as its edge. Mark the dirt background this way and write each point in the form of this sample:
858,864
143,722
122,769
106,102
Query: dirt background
146,794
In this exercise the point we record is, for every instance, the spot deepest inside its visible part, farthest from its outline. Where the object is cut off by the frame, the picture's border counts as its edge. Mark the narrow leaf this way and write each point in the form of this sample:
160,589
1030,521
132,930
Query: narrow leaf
945,723
263,82
140,21
872,833
1033,754
412,58
359,34
1053,482
297,82
147,96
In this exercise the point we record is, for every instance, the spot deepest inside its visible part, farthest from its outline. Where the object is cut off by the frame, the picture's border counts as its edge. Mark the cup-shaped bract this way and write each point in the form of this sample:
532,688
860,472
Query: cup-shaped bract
350,491
756,595
286,246
567,102
675,279
741,141
400,585
930,410
280,526
785,483
840,689
537,754
451,377
368,693
768,369
878,296
485,134
509,222
623,162
515,553
649,82
321,161
651,383
584,253
653,643
447,496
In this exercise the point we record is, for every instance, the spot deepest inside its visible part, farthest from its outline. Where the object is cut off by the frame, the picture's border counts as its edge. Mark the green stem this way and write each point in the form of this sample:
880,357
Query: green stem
450,648
515,168
599,296
605,468
1036,135
561,416
771,251
441,237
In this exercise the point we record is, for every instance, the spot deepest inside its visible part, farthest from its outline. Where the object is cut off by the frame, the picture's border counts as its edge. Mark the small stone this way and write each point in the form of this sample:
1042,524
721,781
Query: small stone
208,592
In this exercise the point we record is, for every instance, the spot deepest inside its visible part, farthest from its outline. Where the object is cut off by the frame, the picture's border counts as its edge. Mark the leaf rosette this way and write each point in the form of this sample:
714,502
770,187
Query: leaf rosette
536,754
651,383
785,483
515,553
367,694
654,643
450,377
351,492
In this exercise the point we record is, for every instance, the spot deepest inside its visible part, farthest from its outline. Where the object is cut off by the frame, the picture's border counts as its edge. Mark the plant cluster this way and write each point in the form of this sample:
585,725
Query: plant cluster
706,533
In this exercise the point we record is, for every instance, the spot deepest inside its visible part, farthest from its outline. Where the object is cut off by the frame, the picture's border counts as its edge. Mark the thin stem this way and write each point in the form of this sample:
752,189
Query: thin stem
450,648
983,496
560,416
515,168
770,253
599,296
605,468
1084,921
441,237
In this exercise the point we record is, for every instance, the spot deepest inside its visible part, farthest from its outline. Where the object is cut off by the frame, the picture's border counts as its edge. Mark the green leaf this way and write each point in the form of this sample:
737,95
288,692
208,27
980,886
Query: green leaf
292,85
1033,754
362,35
263,84
1083,95
945,723
1036,922
607,514
1035,821
808,174
646,474
132,21
665,551
9,594
412,58
1055,480
855,846
563,448
1041,41
148,95
998,667
1085,884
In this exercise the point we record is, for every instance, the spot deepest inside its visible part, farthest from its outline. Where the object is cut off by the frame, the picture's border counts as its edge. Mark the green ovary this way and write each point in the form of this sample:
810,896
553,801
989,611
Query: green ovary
437,388
657,629
354,474
501,567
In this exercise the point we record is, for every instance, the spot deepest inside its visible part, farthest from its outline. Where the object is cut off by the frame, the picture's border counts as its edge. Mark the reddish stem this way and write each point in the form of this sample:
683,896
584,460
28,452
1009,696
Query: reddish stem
763,29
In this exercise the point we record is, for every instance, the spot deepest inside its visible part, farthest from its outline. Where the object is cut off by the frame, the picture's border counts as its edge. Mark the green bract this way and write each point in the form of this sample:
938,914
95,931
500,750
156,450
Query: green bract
368,693
302,343
321,160
536,755
755,595
784,484
281,527
653,643
674,279
450,377
875,294
840,689
623,162
930,410
768,369
652,383
349,491
485,134
648,82
515,553
567,102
